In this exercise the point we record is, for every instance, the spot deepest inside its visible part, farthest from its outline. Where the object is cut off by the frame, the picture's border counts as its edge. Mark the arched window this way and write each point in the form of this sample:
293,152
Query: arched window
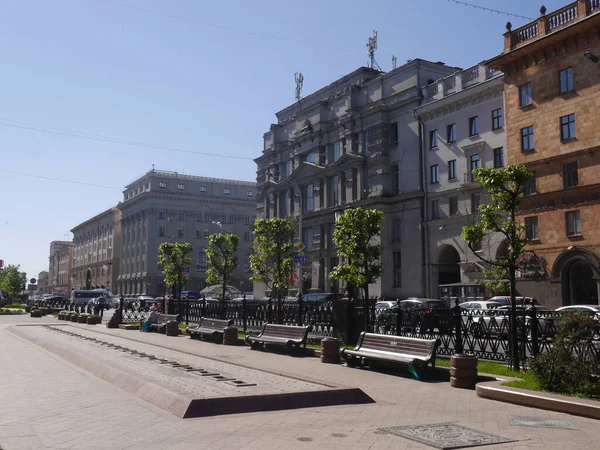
201,260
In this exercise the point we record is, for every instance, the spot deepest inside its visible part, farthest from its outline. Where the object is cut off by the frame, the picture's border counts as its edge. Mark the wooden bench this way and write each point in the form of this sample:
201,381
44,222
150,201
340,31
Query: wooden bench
213,328
287,336
161,325
396,349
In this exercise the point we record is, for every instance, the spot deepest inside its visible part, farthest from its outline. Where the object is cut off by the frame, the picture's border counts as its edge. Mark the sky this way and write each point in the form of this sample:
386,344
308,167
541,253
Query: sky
190,75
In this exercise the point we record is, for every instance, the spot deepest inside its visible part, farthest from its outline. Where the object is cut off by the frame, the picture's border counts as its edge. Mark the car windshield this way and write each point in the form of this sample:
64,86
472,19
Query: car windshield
382,305
435,305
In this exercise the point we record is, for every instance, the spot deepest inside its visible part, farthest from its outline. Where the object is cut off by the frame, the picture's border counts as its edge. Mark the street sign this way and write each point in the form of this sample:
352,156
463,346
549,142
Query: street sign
301,259
301,246
33,281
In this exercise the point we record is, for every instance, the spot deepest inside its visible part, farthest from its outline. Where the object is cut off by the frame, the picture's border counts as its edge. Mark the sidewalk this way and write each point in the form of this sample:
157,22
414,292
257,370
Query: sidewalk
47,403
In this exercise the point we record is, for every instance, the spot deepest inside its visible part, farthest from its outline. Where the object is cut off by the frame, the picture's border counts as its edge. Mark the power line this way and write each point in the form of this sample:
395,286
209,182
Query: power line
112,140
226,27
62,180
459,2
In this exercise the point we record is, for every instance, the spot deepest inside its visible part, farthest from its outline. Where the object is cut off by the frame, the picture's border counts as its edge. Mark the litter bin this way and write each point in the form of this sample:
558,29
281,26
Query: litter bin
463,371
172,328
230,336
330,350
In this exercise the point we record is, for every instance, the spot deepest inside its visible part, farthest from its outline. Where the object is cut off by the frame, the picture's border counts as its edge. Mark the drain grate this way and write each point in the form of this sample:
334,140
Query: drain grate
541,422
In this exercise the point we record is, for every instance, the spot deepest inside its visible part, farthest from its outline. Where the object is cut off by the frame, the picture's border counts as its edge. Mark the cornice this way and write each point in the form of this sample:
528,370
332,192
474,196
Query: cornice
462,102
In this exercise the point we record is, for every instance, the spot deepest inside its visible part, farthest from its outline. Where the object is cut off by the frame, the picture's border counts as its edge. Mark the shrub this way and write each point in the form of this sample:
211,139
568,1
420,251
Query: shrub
571,366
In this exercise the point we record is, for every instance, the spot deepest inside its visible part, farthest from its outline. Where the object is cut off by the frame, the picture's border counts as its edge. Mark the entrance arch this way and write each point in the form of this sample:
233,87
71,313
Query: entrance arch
578,272
445,268
88,279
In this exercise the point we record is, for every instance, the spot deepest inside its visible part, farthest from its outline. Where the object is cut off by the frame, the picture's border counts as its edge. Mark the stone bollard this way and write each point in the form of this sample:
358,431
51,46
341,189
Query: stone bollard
172,328
330,350
230,336
463,371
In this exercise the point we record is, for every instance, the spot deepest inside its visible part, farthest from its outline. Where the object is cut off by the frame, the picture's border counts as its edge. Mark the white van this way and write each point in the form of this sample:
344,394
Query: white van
83,296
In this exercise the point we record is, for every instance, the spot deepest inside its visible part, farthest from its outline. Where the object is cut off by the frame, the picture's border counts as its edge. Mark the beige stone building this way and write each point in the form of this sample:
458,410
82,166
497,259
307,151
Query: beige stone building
60,267
96,250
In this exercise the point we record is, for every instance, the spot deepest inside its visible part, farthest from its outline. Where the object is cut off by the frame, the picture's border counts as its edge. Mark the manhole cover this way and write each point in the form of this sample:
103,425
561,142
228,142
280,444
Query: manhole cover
340,435
541,422
304,439
446,436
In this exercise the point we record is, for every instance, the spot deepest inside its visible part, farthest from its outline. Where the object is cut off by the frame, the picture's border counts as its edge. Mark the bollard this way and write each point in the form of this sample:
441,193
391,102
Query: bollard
330,350
230,336
463,371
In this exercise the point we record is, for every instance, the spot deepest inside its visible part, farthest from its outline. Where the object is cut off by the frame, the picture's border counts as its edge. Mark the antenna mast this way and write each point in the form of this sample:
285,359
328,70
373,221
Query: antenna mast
394,62
299,84
372,46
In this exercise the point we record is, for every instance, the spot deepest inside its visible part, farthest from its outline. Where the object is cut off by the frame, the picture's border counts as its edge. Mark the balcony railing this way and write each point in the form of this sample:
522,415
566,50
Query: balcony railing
561,17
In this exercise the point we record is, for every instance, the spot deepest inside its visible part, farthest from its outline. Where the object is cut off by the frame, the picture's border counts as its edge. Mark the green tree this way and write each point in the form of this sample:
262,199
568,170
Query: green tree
272,260
355,236
11,281
173,259
222,260
505,186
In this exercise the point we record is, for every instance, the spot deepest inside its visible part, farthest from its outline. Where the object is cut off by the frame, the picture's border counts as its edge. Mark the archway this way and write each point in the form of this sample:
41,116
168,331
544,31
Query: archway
88,279
578,272
447,263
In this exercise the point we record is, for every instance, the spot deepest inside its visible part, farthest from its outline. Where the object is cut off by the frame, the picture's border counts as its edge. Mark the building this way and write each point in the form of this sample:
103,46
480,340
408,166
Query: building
97,243
552,92
462,122
60,267
42,282
165,206
354,143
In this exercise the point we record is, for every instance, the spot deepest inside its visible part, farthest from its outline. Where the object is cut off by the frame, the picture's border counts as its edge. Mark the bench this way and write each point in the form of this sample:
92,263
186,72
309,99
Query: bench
287,336
417,353
214,328
161,325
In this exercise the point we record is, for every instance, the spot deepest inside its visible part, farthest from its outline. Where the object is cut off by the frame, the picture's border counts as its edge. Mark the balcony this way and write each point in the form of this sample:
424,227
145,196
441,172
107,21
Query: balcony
470,179
457,82
548,23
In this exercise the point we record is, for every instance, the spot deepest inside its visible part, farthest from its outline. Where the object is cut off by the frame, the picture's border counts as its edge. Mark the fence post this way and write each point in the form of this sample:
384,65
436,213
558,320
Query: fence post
121,301
398,318
458,326
187,311
269,310
300,309
244,316
533,323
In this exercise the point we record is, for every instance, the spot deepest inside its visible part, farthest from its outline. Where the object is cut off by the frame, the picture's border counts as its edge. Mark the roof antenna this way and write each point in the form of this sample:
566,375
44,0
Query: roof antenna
152,167
394,62
372,46
299,84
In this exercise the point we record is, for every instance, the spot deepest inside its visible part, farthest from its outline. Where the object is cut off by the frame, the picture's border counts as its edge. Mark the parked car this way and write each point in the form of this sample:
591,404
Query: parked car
592,310
318,298
84,296
497,322
249,298
504,300
427,314
480,304
55,299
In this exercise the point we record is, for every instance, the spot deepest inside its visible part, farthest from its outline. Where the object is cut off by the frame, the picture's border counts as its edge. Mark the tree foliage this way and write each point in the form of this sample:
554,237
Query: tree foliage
11,281
173,259
272,260
222,259
355,237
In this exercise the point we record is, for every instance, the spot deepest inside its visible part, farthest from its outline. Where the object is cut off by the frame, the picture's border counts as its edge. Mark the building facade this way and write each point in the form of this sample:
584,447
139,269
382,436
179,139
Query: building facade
60,267
43,282
462,118
354,143
552,91
165,206
97,243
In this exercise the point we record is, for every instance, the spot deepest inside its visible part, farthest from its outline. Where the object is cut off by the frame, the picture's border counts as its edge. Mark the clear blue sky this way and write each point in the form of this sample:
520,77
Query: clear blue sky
201,75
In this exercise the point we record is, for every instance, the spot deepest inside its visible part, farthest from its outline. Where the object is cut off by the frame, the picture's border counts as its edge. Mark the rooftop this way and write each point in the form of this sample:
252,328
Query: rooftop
179,176
112,210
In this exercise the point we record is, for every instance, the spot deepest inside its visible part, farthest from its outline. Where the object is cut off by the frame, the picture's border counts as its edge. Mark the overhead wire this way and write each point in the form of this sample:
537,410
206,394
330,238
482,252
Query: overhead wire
61,180
485,8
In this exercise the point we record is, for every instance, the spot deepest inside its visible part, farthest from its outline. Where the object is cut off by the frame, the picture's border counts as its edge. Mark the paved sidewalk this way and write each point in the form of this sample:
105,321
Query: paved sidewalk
47,403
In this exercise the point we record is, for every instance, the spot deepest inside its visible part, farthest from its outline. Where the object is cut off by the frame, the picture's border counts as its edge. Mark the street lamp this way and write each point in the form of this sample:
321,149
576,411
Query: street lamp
593,58
219,224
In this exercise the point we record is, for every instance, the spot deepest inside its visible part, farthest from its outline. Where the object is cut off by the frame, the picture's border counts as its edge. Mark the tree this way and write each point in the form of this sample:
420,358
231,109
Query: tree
173,259
11,281
222,260
355,231
272,260
505,187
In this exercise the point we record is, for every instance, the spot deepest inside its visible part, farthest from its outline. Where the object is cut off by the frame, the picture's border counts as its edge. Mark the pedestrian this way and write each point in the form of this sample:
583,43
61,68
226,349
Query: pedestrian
152,318
101,306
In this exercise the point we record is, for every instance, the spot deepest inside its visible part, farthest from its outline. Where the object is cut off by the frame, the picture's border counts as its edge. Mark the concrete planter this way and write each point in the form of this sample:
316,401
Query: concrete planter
463,371
35,313
73,318
93,320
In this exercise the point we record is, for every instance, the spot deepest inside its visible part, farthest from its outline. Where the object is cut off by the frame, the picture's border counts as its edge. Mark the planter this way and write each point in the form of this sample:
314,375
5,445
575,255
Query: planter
93,320
463,373
74,318
35,313
82,319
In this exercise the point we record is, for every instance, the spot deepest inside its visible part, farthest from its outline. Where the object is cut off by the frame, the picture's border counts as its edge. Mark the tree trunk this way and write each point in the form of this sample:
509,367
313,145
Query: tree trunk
514,343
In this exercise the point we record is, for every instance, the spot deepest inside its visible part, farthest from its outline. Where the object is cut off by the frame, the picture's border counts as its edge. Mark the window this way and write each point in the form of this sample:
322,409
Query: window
223,220
396,230
397,269
530,186
475,164
335,190
246,236
527,138
453,205
202,188
286,168
573,223
567,127
531,228
309,198
497,119
161,214
452,170
246,220
205,233
307,239
161,231
498,158
311,157
525,95
451,133
201,260
162,185
230,218
566,80
435,209
207,217
475,202
250,193
180,232
435,174
570,177
336,151
394,134
180,215
474,126
396,179
181,187
433,139
227,191
198,233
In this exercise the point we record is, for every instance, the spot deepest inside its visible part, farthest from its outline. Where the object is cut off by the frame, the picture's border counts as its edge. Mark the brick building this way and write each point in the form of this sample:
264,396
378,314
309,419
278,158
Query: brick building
552,103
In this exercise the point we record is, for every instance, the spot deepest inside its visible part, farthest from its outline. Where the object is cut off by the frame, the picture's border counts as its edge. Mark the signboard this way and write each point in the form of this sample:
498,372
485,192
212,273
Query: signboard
301,259
301,246
33,281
